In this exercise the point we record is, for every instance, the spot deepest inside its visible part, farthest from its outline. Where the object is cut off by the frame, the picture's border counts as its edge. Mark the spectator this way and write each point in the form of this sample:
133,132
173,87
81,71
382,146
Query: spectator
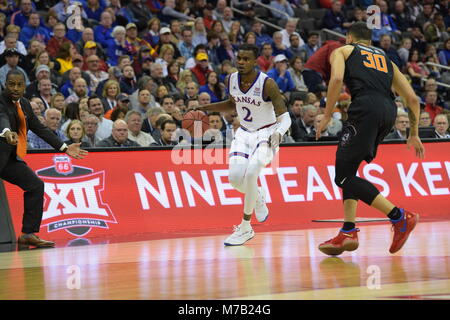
118,46
215,89
169,12
165,57
11,41
118,137
436,30
102,32
64,57
95,107
400,128
33,30
42,72
265,60
401,17
168,128
173,73
68,87
236,34
186,47
149,123
424,120
199,32
325,133
128,81
430,104
295,69
80,89
261,38
281,75
227,19
22,16
123,102
152,36
418,40
218,12
87,35
134,121
334,19
386,45
185,78
165,38
12,61
75,134
441,125
306,122
310,47
201,69
403,51
294,46
57,40
388,25
416,69
90,124
426,16
226,50
204,98
52,121
144,100
45,91
141,14
133,42
444,55
289,29
279,48
284,6
96,75
110,92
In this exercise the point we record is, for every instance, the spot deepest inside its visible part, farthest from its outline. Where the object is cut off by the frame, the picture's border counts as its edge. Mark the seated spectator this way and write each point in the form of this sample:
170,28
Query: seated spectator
141,13
42,72
278,47
45,91
128,82
96,75
388,25
295,69
184,78
403,51
204,98
441,125
21,17
80,90
75,134
430,105
444,55
173,73
236,34
88,35
57,102
57,40
12,61
52,121
325,133
144,100
110,92
123,103
436,30
34,30
152,35
228,19
416,69
289,29
91,49
265,60
310,47
400,128
165,57
386,45
90,125
38,101
226,50
134,121
401,17
118,46
169,12
95,107
186,47
306,122
133,42
284,6
64,57
426,16
201,69
191,91
424,120
334,19
118,137
102,32
199,32
261,38
281,75
168,128
149,123
94,9
213,87
11,41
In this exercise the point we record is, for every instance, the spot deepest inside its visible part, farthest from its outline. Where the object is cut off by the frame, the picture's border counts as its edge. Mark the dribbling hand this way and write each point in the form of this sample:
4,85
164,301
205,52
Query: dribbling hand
414,141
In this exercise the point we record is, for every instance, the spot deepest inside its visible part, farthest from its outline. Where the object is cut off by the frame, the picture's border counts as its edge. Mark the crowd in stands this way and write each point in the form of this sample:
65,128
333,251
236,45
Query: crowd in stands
122,73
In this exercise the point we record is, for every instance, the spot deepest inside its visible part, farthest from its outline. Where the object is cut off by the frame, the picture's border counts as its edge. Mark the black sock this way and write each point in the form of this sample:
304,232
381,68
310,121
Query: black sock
348,226
395,214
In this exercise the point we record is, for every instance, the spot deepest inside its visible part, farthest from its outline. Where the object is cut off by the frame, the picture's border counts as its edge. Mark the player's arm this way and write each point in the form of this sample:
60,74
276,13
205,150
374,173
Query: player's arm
337,61
401,85
272,91
222,106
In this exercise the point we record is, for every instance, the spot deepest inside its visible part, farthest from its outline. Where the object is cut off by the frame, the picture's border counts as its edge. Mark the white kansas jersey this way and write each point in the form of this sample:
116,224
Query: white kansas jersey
254,112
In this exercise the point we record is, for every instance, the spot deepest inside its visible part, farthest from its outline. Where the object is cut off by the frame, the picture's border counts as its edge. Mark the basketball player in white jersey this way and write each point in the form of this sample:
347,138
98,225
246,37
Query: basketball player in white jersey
264,120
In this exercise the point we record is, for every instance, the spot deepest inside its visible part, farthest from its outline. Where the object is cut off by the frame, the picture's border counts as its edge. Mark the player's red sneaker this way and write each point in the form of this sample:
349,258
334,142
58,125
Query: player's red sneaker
344,241
402,228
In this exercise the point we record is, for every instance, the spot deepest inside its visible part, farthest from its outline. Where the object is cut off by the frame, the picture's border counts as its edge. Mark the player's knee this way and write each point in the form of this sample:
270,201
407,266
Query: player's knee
340,181
235,179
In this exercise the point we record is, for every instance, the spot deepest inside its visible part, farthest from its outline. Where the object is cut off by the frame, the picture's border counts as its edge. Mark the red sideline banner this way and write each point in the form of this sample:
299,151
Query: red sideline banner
133,192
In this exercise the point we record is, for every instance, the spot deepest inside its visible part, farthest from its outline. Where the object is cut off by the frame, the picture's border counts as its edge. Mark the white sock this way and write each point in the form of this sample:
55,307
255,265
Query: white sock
245,224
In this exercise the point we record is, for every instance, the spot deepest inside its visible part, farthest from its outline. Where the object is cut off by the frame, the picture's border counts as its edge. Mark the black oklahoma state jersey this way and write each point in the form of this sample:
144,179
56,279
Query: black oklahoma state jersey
368,69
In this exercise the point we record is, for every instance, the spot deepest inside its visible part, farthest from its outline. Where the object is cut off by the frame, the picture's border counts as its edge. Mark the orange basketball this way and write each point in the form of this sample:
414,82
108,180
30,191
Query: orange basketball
196,122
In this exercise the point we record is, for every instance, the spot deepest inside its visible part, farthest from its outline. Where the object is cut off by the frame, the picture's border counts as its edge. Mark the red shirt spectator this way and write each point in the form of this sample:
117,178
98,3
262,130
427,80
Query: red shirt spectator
201,69
265,60
430,105
320,60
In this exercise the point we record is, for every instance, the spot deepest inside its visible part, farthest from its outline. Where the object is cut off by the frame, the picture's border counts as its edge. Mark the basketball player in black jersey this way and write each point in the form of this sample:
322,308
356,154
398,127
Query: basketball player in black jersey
370,77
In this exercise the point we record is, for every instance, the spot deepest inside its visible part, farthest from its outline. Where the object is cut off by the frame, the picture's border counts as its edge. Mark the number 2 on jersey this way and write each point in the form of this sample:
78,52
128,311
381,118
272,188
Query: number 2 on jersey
248,117
375,61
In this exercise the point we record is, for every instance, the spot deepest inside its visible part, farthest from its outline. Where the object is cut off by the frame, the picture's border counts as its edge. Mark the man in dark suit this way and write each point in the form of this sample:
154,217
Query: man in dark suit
16,117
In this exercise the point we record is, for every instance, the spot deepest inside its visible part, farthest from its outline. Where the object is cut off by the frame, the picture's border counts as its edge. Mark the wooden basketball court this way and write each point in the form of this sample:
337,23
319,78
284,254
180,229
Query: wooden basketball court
273,265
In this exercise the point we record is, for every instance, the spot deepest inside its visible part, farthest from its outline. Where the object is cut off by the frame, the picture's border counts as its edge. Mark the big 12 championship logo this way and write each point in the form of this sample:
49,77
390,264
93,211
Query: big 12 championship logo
72,199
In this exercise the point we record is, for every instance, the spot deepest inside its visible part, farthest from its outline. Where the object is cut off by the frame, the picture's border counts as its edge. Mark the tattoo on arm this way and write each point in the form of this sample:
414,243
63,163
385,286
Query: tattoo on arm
412,122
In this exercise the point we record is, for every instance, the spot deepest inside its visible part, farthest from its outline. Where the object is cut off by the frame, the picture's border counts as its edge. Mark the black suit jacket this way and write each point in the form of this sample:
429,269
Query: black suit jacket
10,119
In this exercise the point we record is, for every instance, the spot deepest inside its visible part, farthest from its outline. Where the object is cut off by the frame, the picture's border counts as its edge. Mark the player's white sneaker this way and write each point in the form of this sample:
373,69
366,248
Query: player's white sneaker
261,210
240,236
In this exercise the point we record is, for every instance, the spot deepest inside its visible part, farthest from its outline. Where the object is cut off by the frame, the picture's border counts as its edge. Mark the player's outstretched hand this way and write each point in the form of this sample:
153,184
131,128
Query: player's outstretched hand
76,152
414,141
322,126
275,139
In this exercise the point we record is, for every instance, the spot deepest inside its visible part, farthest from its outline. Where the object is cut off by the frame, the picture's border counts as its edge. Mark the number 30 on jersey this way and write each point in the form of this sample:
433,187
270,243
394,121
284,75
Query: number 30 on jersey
375,61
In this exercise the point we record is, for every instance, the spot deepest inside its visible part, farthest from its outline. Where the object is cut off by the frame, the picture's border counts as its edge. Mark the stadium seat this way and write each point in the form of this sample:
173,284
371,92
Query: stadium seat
317,14
307,24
